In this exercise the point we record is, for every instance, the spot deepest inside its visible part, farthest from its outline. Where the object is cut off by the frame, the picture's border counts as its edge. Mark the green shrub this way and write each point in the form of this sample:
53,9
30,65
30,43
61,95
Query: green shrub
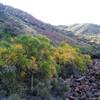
36,58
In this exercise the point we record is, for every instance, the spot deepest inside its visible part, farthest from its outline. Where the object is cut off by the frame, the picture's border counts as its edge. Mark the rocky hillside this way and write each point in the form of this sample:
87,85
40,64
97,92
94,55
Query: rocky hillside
23,18
87,87
88,31
83,29
15,21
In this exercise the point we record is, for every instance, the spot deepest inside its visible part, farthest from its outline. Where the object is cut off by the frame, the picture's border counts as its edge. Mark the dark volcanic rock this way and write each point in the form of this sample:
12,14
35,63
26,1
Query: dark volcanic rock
88,86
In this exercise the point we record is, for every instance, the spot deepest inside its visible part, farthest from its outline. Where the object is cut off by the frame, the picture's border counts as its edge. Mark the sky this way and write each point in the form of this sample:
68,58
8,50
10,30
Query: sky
60,12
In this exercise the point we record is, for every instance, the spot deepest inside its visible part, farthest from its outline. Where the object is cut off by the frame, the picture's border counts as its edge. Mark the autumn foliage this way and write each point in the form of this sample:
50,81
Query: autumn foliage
38,53
28,58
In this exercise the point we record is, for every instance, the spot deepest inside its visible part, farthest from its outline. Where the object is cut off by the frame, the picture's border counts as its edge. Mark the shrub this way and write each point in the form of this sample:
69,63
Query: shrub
36,58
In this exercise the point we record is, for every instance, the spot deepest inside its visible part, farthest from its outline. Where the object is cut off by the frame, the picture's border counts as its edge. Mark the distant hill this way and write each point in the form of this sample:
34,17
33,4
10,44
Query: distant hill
87,31
83,29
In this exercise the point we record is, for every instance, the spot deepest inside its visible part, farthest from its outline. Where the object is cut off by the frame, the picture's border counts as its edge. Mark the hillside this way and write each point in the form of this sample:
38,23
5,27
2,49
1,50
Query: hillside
87,31
15,21
77,29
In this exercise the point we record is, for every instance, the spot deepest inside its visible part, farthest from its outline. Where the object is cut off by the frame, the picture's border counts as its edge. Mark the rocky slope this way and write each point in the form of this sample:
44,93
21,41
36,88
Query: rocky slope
15,21
87,87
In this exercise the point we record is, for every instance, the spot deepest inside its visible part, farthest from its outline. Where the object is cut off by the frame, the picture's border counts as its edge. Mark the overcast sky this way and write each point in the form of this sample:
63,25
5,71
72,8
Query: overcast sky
59,12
